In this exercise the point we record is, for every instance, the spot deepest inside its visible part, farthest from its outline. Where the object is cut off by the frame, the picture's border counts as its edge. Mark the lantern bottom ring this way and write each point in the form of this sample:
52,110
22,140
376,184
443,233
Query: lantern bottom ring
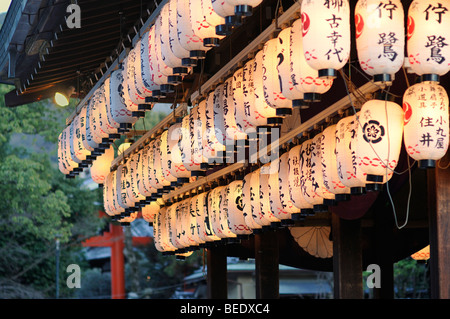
302,104
243,10
223,30
233,21
275,225
374,178
329,202
188,62
307,211
328,73
312,97
174,79
342,197
320,208
374,187
167,88
383,78
158,94
138,114
283,111
427,163
429,78
197,54
180,71
275,121
211,42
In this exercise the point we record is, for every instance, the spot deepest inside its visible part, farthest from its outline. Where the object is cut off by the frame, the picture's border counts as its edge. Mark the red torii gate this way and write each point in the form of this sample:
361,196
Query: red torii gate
115,240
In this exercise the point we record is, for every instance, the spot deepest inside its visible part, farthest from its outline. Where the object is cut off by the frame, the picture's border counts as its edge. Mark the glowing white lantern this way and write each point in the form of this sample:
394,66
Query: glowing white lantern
297,181
69,163
212,148
259,100
203,26
96,130
274,193
222,211
244,7
242,123
264,193
317,180
74,153
153,181
133,66
161,71
150,211
115,192
219,121
148,69
326,35
214,200
330,174
157,167
428,34
185,144
176,166
380,38
426,122
106,195
145,188
284,189
233,133
61,163
309,188
208,216
284,69
349,172
101,166
135,178
166,159
130,103
174,224
195,131
271,80
305,79
236,220
81,152
250,203
379,139
186,219
194,227
119,112
256,110
157,230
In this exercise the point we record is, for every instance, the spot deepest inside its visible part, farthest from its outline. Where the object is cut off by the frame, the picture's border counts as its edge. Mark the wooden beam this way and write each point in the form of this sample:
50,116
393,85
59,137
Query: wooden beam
347,258
438,210
217,272
267,265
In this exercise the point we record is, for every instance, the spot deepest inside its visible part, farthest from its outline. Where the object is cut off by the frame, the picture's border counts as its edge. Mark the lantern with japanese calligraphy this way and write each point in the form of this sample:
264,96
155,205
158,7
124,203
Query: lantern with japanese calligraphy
276,206
255,201
186,220
166,163
185,144
162,70
380,34
219,114
271,79
426,118
176,167
233,132
284,187
349,172
144,186
244,7
326,35
428,35
305,79
296,181
264,193
250,203
61,163
307,167
197,129
259,98
236,221
242,123
379,139
193,225
129,100
200,210
211,147
106,195
284,69
255,107
150,211
147,69
102,165
329,166
133,68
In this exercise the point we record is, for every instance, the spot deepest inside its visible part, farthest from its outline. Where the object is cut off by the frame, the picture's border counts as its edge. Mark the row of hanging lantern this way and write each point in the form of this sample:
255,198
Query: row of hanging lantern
181,34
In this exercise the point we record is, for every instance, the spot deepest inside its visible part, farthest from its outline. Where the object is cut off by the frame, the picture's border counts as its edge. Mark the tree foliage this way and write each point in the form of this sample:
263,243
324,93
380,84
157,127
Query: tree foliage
38,203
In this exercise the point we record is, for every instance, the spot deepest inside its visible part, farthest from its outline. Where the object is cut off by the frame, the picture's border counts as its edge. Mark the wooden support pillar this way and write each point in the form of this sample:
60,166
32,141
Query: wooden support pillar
267,265
439,229
217,272
117,263
347,258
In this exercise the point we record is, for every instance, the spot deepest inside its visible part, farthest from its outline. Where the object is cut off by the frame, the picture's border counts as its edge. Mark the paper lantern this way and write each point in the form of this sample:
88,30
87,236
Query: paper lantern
165,157
162,231
212,148
305,79
207,217
134,179
175,164
133,63
150,211
105,195
233,133
215,199
80,151
380,38
330,173
130,103
264,193
274,193
236,220
296,181
186,144
216,21
96,131
307,166
189,225
250,203
271,80
349,172
160,179
72,136
193,225
242,123
317,180
115,192
148,67
284,186
205,27
174,226
219,121
426,126
157,230
259,99
380,130
326,35
428,32
61,163
244,7
119,112
69,163
284,69
144,186
161,71
102,165
256,110
195,129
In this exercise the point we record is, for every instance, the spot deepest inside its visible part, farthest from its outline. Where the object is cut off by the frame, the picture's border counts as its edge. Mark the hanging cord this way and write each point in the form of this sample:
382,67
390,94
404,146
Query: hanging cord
385,164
